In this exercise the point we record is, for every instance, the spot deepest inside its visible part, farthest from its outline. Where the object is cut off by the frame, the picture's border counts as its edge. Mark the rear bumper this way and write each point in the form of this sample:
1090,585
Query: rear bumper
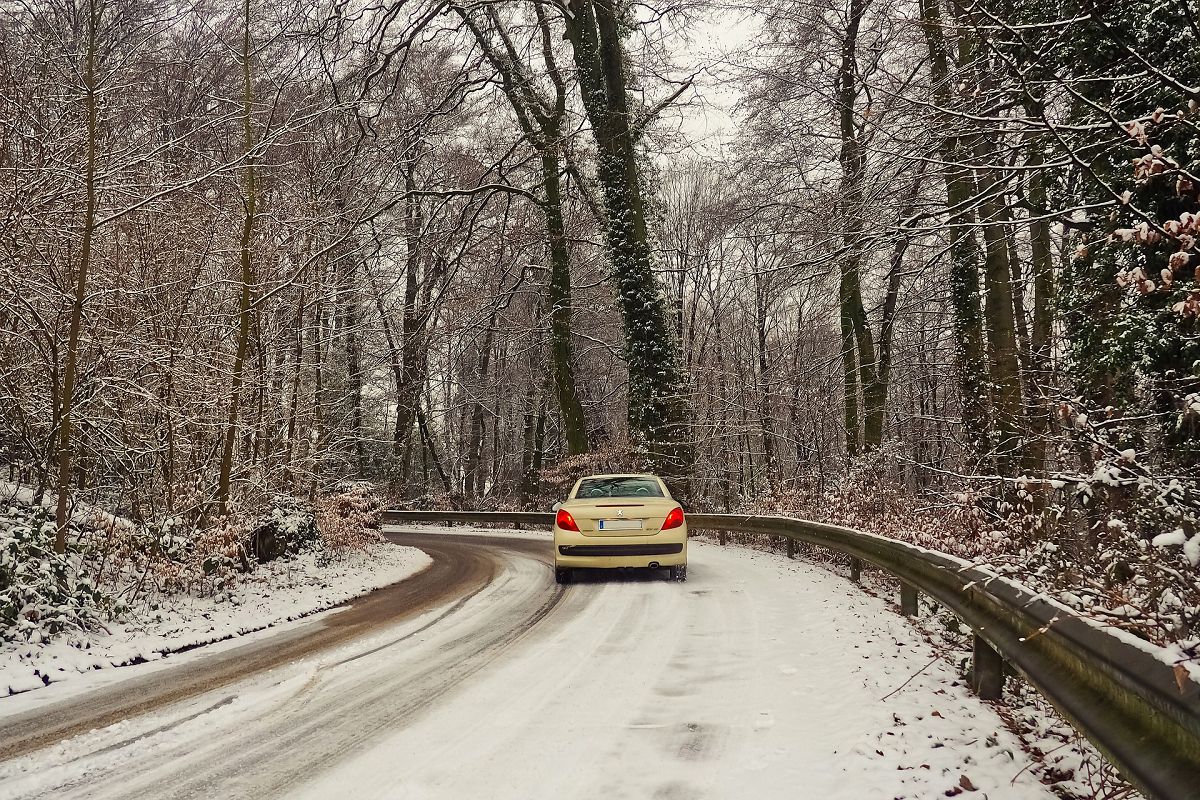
666,549
620,549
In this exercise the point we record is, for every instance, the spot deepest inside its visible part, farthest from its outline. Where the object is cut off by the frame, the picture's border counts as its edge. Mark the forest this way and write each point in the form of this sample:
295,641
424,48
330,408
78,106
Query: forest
927,268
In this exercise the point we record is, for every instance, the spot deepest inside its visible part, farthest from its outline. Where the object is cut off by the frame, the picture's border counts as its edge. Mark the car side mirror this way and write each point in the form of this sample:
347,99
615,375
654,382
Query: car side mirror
556,507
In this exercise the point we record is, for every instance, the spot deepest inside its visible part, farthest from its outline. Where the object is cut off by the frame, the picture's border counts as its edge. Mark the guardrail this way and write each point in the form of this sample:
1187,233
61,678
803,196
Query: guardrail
1130,703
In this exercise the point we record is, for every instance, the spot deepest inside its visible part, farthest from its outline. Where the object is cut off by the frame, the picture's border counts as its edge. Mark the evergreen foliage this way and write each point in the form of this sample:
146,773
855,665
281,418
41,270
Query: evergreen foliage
42,592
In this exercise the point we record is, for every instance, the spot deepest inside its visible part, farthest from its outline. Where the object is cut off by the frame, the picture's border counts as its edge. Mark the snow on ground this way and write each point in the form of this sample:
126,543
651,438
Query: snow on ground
80,511
274,593
757,678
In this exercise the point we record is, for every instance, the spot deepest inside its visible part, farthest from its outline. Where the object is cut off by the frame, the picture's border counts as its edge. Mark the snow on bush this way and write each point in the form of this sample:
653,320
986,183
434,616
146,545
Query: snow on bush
42,593
289,527
1111,544
115,568
138,563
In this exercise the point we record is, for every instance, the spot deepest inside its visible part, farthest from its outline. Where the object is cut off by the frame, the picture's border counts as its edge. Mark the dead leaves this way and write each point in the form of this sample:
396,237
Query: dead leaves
1182,677
964,785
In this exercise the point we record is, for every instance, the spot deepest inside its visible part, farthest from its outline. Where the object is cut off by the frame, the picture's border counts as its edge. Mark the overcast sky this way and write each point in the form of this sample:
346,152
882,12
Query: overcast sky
706,119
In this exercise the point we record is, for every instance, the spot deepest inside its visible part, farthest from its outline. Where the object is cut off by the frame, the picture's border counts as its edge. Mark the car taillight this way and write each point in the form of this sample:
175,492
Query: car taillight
565,521
674,519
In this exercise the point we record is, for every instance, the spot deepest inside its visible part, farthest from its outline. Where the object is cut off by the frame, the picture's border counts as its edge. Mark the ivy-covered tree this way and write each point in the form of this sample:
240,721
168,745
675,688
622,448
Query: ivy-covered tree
1112,94
1105,103
658,412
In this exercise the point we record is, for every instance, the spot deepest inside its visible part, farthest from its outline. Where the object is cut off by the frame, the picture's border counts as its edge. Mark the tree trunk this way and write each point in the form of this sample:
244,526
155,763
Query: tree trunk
849,375
766,423
349,322
999,314
541,121
431,449
318,443
294,398
414,359
657,394
1038,406
964,249
859,366
529,479
574,422
249,201
67,393
472,481
890,303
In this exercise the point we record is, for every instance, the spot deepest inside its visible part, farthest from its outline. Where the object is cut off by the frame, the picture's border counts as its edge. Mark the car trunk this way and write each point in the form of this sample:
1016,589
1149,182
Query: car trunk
620,516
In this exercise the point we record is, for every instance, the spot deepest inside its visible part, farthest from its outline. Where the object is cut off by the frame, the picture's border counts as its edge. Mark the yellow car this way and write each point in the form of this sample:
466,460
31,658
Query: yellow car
613,521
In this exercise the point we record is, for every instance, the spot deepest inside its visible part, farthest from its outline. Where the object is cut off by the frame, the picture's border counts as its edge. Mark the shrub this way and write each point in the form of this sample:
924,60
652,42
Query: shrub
289,527
348,517
42,593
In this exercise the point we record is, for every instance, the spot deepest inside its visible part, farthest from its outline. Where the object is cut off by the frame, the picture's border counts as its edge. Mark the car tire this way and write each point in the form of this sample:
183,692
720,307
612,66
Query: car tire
562,576
679,573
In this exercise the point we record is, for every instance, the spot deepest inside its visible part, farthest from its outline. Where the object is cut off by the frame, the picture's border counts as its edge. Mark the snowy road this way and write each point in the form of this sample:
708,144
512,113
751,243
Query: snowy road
758,678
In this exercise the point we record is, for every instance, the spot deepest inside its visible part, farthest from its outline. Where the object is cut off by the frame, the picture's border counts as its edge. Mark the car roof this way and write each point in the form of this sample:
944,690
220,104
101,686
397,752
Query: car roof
622,475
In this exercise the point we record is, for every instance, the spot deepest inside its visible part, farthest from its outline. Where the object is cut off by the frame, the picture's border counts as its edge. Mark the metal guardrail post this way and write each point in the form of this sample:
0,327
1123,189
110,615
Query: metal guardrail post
791,547
987,670
855,569
908,599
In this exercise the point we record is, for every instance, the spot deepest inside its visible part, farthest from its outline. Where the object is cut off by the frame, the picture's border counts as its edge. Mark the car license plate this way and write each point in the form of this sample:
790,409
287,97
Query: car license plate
620,524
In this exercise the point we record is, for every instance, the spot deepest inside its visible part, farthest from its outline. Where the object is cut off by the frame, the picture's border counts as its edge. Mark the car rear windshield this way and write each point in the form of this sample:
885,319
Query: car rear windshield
618,487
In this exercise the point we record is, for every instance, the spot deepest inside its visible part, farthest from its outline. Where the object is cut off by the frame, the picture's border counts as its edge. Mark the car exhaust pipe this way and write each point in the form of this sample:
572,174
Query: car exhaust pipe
653,565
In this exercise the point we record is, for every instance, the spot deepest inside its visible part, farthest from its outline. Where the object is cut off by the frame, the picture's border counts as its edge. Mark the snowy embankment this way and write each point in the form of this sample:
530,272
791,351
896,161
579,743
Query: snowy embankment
274,593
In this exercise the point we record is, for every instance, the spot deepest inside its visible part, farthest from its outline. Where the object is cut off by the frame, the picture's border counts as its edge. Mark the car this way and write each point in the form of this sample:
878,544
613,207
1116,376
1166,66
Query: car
619,521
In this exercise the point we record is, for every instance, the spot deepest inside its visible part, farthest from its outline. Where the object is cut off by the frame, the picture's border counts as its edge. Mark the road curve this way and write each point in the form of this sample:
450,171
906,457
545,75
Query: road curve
458,569
758,678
